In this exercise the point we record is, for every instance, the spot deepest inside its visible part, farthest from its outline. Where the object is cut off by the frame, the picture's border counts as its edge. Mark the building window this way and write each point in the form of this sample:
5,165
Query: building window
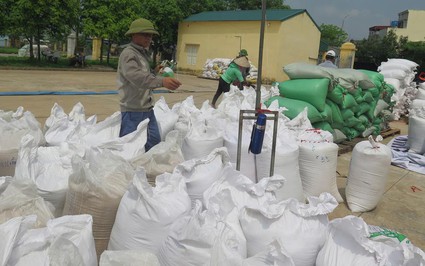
192,53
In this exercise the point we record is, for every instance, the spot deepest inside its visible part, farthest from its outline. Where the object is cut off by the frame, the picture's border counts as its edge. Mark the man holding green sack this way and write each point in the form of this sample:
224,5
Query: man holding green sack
136,81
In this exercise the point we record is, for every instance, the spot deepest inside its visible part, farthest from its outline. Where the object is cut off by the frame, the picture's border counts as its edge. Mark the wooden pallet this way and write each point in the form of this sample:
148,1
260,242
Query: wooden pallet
348,145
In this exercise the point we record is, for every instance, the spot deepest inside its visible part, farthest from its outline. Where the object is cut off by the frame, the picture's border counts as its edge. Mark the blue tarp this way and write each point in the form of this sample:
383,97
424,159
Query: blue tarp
24,93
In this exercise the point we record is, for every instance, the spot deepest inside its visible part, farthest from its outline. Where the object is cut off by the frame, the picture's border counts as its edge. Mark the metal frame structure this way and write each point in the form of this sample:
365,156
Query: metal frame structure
252,115
242,114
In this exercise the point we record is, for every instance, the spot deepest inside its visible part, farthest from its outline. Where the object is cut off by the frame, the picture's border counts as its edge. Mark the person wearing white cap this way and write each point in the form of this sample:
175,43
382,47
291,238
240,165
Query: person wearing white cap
330,60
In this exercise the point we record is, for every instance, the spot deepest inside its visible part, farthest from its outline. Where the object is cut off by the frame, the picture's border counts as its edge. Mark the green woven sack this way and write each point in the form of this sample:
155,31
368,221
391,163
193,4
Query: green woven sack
346,113
376,77
337,94
348,101
350,133
367,96
295,107
364,120
363,108
323,125
336,112
327,114
313,91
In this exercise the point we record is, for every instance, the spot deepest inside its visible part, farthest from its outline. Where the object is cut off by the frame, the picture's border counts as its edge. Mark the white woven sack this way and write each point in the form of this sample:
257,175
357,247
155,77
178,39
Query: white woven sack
161,158
96,186
367,175
247,161
352,242
20,198
394,65
201,140
200,173
273,254
301,228
243,191
10,233
396,83
421,93
49,168
146,213
286,164
416,139
318,164
128,258
165,117
66,240
210,237
412,65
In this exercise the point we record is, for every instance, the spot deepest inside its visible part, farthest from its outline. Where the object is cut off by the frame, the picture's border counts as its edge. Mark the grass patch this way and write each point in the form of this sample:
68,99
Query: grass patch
8,50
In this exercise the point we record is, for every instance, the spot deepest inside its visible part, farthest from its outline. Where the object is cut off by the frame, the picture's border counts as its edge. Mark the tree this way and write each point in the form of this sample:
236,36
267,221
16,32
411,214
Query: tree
35,19
333,35
108,19
376,50
255,4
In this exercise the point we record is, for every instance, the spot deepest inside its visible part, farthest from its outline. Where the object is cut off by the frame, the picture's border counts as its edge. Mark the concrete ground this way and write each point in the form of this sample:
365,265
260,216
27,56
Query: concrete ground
400,208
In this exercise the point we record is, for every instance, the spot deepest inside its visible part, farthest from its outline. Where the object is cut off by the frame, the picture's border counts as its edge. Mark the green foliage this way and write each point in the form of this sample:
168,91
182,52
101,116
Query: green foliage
255,4
35,19
415,51
376,50
333,35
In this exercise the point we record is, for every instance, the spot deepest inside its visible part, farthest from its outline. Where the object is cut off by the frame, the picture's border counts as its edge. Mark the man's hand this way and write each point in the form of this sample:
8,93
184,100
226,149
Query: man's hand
158,68
171,83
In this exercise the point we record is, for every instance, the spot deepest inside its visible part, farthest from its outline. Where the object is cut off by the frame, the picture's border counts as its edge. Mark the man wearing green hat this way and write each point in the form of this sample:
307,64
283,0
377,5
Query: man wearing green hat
136,81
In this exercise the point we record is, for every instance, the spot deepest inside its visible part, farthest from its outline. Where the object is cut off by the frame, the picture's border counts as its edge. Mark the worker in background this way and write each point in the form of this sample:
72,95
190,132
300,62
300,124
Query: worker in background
233,75
329,59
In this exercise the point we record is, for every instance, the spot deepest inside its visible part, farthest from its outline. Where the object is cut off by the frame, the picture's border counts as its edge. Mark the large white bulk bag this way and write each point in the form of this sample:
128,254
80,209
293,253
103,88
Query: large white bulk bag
210,237
318,165
200,173
201,140
20,198
146,213
161,158
128,258
286,164
10,233
301,228
352,242
243,191
104,131
96,187
49,168
367,175
273,254
67,240
416,138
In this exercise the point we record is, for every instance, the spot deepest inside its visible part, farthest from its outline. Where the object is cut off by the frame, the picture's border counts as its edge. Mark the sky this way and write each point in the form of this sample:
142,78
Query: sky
356,16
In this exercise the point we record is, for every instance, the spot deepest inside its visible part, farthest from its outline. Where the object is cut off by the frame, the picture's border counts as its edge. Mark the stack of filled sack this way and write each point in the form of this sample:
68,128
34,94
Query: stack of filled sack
215,67
400,73
346,102
416,136
84,190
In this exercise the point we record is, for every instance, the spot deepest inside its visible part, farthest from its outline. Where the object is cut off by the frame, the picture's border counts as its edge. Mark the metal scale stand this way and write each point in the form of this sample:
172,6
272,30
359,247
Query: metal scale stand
253,114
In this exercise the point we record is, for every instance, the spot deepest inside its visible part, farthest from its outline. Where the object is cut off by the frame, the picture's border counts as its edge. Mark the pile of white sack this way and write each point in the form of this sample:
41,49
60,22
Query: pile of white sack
79,194
416,129
400,73
215,67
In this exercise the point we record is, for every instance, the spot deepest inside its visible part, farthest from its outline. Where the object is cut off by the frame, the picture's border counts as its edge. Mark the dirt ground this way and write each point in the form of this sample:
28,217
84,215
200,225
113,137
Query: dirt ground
19,81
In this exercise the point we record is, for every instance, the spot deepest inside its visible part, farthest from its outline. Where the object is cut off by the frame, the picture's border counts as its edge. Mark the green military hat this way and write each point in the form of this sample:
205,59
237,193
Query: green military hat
141,25
243,52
